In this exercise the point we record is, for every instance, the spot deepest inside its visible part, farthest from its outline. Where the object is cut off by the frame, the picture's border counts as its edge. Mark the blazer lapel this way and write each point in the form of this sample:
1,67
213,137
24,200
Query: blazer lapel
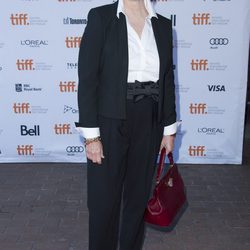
123,46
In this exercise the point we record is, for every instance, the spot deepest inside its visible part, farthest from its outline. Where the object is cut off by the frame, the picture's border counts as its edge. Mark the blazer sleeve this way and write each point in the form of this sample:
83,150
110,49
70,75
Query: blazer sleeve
88,69
169,115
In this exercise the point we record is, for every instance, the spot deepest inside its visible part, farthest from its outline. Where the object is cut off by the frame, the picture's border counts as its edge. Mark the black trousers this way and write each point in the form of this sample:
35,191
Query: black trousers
130,148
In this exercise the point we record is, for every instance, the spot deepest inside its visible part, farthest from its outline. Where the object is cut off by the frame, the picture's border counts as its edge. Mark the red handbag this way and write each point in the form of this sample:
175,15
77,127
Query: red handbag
168,196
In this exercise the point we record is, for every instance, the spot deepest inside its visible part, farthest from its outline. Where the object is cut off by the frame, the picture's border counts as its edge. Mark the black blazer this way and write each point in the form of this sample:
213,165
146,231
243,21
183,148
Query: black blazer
103,67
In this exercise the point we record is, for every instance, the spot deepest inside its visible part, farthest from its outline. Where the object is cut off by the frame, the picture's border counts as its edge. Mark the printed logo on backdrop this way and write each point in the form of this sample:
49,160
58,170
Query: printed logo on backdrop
25,150
25,87
70,20
33,131
205,65
199,64
173,19
62,129
207,153
1,68
217,153
211,131
181,88
197,151
30,150
217,42
69,109
67,86
26,108
72,65
30,65
208,19
182,44
34,43
25,19
72,42
204,109
216,88
74,150
1,45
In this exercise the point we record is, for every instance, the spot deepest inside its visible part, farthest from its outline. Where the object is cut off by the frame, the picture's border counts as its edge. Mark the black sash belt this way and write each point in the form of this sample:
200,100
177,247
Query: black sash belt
138,90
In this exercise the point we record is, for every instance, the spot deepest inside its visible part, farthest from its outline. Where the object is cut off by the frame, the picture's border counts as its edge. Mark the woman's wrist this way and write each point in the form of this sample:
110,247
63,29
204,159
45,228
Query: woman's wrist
172,135
89,140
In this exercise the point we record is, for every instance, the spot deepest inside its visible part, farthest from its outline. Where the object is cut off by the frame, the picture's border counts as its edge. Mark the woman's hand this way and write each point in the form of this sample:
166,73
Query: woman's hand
94,151
168,143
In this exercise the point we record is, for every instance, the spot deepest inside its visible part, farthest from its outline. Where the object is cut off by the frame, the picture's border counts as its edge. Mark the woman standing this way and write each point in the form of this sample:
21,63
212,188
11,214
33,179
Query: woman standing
126,102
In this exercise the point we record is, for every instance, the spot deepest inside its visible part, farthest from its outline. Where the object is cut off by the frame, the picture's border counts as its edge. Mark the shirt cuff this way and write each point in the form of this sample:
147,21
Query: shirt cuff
171,129
88,132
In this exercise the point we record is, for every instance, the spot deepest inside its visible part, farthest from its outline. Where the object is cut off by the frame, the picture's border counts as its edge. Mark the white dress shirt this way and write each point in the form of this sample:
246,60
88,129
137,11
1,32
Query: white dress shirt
143,62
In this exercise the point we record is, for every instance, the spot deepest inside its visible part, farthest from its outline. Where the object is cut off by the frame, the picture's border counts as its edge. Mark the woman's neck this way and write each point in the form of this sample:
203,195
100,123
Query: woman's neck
135,7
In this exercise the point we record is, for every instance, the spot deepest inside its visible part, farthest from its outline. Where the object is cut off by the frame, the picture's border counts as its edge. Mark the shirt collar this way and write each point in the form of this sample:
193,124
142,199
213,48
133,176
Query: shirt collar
148,6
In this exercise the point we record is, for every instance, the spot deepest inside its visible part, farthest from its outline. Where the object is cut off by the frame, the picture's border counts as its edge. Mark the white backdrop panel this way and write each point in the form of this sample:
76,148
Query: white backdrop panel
39,45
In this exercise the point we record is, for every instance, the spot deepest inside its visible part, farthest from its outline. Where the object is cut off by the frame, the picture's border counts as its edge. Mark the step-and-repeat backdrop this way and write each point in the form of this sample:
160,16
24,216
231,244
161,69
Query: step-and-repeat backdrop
39,43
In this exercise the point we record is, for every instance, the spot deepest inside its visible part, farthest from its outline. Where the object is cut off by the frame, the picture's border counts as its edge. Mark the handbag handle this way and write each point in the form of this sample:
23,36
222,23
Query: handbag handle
161,163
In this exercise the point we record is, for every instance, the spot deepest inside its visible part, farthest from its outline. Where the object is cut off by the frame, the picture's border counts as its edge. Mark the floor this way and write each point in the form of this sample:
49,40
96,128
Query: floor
43,207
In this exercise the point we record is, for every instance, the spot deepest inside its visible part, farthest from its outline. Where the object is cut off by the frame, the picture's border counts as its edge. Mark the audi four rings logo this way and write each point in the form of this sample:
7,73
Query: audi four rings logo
74,149
219,41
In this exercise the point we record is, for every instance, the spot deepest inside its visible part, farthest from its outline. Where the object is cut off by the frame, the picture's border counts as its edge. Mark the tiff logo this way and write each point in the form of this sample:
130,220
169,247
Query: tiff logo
26,64
199,65
73,42
196,151
25,150
19,19
199,108
21,108
67,86
62,129
201,19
